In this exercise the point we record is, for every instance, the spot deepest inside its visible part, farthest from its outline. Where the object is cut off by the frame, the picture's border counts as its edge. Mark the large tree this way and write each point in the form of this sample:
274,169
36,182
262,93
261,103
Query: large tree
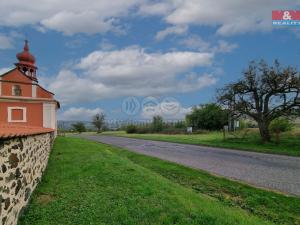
264,94
98,121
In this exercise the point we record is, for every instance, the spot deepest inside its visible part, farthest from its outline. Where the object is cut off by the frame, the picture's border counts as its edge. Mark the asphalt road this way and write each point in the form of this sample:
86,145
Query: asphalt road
275,172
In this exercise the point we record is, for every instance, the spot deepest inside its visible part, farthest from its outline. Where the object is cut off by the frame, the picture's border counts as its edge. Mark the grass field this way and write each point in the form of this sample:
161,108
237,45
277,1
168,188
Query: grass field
289,144
88,183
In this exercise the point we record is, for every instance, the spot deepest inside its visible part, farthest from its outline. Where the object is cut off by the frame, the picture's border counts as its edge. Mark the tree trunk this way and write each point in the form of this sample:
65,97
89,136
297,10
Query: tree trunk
264,131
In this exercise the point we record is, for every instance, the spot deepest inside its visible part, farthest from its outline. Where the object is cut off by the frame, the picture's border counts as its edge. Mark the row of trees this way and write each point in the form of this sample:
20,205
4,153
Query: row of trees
268,95
158,125
264,94
98,122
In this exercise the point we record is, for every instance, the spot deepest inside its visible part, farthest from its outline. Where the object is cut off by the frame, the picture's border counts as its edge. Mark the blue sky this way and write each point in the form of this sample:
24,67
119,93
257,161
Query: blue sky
166,56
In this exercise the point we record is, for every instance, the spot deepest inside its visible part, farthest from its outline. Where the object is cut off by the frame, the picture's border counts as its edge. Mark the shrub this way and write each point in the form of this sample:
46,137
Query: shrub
199,131
281,124
130,129
180,124
207,117
243,124
144,130
79,127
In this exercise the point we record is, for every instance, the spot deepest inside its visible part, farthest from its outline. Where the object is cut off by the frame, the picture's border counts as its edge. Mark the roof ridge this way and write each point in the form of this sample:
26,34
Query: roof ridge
14,130
1,75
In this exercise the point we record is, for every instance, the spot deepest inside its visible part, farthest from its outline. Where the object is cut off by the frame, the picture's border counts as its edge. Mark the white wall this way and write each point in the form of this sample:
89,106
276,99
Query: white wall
49,115
33,89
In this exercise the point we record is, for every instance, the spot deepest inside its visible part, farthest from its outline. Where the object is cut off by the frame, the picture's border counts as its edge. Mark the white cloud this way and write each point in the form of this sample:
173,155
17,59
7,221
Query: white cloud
69,17
131,72
133,62
93,16
197,43
69,88
81,22
80,114
158,8
225,47
8,39
229,16
4,70
6,42
178,30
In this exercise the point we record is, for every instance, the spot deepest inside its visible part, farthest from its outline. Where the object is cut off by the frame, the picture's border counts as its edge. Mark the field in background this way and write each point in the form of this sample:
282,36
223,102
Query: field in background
92,183
243,140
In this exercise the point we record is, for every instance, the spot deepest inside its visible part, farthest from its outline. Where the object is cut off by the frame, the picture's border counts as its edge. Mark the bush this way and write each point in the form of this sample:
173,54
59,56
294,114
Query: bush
130,129
79,127
144,130
207,117
281,124
247,124
199,131
139,129
157,126
180,124
243,124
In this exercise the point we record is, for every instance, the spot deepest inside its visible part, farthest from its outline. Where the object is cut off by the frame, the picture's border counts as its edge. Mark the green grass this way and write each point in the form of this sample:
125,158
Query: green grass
289,144
268,205
91,183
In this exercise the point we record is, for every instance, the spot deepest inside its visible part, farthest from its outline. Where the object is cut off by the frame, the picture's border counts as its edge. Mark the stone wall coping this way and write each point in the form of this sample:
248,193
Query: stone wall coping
12,130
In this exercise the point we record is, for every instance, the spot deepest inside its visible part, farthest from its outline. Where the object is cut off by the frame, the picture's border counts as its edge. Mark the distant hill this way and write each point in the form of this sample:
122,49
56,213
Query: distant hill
67,125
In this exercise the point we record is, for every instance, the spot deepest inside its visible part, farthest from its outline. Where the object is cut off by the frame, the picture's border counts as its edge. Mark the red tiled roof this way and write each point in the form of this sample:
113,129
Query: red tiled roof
9,130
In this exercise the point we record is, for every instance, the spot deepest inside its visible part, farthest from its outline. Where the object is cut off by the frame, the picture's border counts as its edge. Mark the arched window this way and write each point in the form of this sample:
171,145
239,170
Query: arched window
16,90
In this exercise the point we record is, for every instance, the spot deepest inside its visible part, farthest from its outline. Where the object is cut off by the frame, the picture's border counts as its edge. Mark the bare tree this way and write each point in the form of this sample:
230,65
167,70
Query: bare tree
264,94
98,121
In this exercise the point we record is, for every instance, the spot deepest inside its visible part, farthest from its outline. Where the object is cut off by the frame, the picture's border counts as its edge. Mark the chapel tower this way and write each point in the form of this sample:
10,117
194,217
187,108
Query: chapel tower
26,62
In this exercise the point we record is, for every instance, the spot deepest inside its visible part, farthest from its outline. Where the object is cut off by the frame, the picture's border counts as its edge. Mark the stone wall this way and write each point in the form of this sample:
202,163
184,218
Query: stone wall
22,163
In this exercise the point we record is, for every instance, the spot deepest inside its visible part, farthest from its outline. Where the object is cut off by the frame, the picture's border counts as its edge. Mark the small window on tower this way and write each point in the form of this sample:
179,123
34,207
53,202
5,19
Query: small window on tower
16,90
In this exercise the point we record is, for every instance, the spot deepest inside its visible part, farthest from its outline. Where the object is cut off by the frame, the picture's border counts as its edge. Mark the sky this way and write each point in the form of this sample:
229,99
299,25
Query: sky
132,59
